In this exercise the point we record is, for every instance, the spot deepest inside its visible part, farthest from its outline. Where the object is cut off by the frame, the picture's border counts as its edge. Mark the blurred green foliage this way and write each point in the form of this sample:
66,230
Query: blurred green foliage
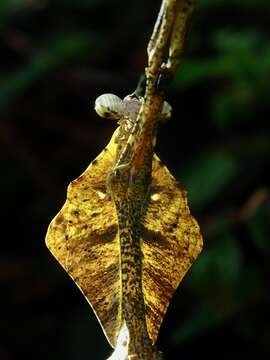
242,61
204,182
55,56
62,48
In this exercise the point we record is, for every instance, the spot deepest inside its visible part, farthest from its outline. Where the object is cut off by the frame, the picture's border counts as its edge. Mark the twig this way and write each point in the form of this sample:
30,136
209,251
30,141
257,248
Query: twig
129,180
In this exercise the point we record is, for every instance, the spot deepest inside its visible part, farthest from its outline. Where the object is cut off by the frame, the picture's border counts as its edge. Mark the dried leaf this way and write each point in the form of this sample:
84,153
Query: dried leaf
84,239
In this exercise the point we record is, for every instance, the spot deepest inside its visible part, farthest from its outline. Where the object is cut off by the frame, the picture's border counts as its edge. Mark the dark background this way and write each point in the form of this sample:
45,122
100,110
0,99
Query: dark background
56,57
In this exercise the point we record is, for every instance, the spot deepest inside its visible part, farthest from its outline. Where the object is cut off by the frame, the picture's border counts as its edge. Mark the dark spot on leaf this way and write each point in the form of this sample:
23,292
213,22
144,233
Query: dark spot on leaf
59,220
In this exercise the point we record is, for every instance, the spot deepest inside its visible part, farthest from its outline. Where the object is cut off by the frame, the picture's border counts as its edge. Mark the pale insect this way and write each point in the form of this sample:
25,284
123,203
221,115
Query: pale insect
110,106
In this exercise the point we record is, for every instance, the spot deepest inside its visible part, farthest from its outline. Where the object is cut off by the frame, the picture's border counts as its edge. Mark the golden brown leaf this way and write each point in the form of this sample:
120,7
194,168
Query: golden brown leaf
84,239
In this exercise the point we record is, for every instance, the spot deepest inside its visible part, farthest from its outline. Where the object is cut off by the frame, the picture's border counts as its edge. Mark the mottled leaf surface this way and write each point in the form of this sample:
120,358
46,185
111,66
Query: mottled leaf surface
83,237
